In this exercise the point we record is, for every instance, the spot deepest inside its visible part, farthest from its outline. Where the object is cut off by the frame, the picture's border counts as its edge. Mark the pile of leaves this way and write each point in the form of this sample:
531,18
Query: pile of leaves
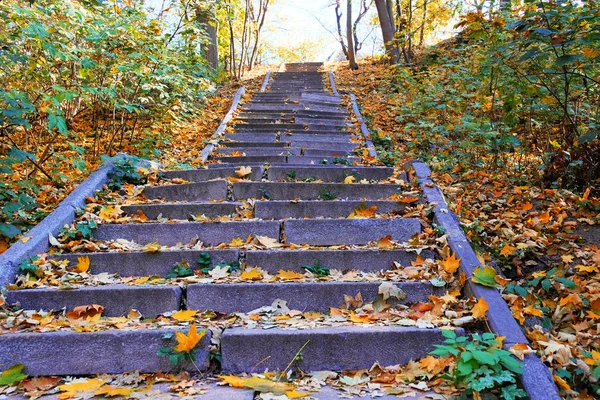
485,111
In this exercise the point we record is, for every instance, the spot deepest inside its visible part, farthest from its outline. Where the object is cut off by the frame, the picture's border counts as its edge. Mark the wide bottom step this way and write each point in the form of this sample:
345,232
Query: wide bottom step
345,348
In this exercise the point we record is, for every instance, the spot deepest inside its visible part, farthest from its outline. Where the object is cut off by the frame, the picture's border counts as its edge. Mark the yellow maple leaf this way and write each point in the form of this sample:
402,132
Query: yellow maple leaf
153,247
111,391
74,388
185,315
480,308
450,264
243,171
83,264
349,179
293,394
289,275
251,275
232,380
237,242
561,383
520,349
186,343
567,259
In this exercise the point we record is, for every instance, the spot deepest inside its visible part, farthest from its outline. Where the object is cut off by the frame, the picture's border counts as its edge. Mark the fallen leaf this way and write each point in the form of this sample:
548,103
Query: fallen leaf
385,243
219,272
451,263
363,212
480,308
153,247
519,350
25,239
390,290
83,264
237,242
77,387
485,276
243,171
185,315
349,179
12,375
251,275
289,275
111,391
84,312
186,343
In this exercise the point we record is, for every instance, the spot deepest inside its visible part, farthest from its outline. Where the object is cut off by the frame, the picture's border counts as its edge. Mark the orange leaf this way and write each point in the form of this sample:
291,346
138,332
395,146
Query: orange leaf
83,264
531,310
186,343
429,363
359,319
507,250
480,308
185,315
385,243
451,264
83,312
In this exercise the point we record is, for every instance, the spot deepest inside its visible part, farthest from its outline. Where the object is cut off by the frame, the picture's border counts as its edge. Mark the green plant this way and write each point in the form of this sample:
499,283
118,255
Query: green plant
27,267
481,365
328,195
125,171
206,265
291,176
180,270
317,270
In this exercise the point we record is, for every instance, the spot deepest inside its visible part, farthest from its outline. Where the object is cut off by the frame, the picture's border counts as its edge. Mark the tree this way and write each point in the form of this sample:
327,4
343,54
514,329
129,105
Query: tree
349,36
388,29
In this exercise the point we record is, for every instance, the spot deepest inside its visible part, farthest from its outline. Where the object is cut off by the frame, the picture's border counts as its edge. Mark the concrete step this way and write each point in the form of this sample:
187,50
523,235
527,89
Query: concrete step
312,191
251,137
305,296
344,260
281,209
333,139
261,151
146,264
183,211
209,233
117,300
331,348
329,173
111,351
256,144
251,159
326,153
311,144
310,160
330,232
266,127
206,174
202,191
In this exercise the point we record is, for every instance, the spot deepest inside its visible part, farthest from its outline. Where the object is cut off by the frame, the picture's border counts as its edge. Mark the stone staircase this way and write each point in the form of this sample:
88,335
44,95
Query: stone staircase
302,157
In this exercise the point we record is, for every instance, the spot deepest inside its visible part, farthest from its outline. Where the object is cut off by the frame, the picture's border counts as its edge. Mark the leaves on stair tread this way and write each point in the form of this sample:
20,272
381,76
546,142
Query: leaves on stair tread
85,312
83,264
242,172
184,315
362,211
289,275
251,275
79,387
480,309
451,263
153,247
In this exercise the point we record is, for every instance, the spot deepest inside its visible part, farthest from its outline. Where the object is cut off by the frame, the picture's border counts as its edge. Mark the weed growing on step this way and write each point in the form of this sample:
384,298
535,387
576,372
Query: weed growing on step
317,270
481,365
180,270
328,195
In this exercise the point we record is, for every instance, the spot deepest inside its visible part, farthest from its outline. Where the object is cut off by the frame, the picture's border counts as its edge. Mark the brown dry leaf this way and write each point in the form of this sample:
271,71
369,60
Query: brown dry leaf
385,243
243,171
360,319
84,312
267,242
519,350
141,216
41,383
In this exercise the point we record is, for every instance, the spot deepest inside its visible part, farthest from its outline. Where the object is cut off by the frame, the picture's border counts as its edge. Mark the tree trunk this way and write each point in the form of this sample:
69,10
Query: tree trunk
349,36
207,19
422,33
387,30
338,18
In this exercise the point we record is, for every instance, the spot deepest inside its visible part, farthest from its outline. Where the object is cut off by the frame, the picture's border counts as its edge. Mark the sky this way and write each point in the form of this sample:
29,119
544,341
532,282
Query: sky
290,21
